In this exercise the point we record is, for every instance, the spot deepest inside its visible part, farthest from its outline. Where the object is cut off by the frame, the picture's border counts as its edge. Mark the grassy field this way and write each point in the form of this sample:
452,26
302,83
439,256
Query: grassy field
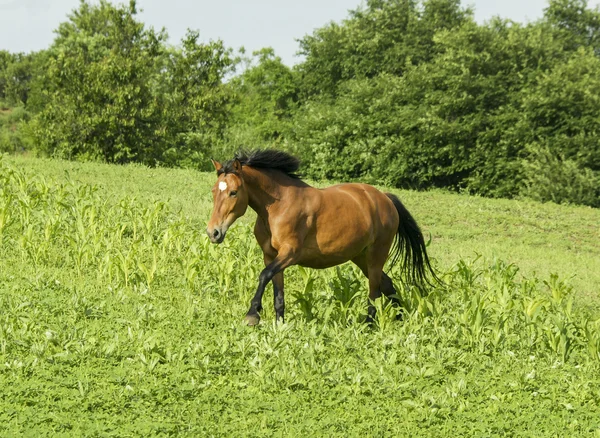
118,318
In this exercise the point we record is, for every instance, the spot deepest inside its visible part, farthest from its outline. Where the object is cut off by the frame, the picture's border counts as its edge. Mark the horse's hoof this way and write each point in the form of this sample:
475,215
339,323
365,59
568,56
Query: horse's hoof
252,320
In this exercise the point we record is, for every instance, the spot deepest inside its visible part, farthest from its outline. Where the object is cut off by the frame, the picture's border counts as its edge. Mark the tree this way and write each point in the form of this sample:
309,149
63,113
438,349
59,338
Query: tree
266,98
116,92
100,72
20,80
6,59
198,101
386,36
577,24
447,102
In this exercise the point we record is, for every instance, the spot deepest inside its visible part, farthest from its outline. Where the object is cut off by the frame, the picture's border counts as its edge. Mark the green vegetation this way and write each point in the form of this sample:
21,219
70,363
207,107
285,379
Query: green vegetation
118,317
416,94
11,139
115,92
403,93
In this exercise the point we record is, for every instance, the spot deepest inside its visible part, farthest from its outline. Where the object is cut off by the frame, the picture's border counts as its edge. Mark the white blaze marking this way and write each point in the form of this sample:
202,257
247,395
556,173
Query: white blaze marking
222,186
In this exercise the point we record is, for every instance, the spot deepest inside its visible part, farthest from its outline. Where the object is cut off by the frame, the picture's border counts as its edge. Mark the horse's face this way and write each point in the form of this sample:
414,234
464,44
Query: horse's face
230,199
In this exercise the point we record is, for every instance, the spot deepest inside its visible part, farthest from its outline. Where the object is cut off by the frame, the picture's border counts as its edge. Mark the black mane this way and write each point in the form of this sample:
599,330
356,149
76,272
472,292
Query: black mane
265,159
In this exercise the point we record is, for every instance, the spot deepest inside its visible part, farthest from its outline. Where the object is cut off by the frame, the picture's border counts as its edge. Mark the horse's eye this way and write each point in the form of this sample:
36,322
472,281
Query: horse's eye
233,193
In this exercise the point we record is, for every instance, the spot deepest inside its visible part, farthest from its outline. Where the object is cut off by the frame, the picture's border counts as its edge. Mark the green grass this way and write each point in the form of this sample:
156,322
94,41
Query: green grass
540,239
117,317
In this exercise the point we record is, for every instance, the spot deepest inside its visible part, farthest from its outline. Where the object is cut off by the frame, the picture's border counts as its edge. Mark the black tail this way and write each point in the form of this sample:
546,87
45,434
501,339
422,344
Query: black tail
410,246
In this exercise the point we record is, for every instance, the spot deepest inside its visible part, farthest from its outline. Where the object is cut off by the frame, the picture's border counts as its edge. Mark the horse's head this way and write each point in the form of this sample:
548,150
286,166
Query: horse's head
230,199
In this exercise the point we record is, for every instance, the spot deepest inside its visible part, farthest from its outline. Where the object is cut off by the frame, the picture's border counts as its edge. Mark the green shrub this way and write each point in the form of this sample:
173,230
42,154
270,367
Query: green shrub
14,135
552,177
117,93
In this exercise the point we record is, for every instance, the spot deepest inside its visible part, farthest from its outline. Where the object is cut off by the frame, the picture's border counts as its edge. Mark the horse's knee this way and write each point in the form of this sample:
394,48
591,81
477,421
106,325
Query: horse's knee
265,276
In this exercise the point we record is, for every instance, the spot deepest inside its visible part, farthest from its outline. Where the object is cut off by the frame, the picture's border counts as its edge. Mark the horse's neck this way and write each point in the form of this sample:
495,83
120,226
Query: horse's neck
263,190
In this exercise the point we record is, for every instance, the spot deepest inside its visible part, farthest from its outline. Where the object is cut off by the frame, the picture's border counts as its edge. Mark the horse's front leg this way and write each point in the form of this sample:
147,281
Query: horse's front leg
273,271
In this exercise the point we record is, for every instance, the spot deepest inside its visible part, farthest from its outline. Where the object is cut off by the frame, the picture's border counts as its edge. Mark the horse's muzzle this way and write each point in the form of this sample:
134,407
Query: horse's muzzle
216,235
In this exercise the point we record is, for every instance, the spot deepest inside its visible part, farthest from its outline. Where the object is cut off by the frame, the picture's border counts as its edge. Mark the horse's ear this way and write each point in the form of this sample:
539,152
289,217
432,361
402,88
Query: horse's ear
237,166
218,166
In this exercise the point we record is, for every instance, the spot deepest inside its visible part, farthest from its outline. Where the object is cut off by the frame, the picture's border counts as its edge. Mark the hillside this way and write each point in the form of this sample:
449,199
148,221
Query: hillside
118,317
538,238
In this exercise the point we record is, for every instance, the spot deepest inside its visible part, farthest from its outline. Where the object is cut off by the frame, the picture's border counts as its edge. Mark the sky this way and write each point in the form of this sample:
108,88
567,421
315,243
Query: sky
28,25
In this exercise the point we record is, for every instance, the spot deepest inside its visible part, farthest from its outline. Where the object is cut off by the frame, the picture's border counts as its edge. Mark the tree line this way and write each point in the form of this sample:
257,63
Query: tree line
404,93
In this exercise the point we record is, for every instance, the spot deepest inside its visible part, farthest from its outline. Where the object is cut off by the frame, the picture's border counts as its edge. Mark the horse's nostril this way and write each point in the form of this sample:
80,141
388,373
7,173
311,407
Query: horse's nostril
216,233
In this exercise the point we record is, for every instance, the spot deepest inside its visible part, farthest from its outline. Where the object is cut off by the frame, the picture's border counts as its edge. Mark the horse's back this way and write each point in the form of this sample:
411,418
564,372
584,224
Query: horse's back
347,218
357,199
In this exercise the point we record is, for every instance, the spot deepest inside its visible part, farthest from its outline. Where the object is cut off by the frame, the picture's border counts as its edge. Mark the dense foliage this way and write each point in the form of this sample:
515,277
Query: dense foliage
411,93
487,112
113,90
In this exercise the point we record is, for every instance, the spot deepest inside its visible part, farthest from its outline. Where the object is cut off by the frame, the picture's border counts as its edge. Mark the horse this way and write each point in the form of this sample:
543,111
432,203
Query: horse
298,224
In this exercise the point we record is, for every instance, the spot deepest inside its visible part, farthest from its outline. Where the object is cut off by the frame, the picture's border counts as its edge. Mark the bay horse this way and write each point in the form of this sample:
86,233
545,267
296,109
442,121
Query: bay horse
298,224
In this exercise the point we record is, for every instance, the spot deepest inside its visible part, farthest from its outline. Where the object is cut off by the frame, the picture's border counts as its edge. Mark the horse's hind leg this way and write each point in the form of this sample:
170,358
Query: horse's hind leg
388,289
371,264
278,298
375,274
